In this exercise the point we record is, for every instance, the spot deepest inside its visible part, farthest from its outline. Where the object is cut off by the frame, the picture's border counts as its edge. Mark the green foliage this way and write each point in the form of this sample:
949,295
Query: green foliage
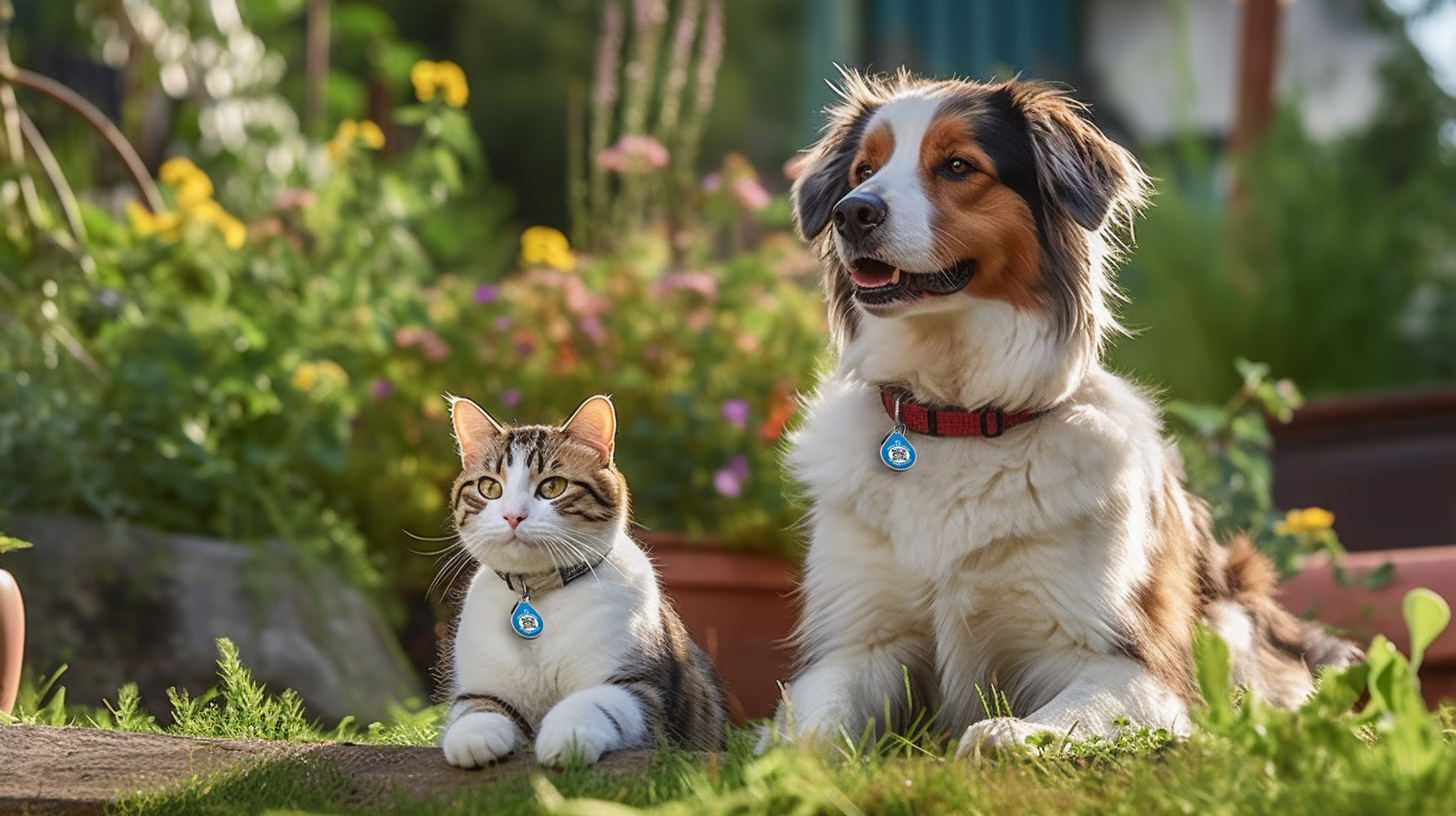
1225,451
202,382
8,543
702,365
1331,263
1393,735
238,708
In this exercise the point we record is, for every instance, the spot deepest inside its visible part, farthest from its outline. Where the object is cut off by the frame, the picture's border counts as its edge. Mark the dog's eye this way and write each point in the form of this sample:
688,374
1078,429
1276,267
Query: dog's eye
959,166
863,172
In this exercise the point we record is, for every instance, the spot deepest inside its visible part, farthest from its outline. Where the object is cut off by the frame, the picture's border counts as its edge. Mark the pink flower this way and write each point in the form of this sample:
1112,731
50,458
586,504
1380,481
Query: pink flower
712,183
510,398
736,412
633,154
699,283
750,194
503,323
486,293
793,167
381,389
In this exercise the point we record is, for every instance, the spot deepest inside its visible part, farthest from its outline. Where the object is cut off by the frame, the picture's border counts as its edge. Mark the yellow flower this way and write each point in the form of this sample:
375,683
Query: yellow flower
333,372
451,78
177,170
445,77
1306,520
234,232
544,245
305,377
145,223
344,137
422,76
370,134
192,185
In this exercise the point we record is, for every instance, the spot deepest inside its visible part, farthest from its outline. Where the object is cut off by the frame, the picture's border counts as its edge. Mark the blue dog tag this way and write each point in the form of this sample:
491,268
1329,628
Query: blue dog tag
896,451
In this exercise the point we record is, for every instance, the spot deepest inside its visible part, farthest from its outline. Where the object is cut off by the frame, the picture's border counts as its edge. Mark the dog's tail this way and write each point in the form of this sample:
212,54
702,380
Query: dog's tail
1274,653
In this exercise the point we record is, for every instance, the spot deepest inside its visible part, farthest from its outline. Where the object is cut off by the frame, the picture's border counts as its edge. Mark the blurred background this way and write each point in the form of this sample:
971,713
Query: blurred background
248,244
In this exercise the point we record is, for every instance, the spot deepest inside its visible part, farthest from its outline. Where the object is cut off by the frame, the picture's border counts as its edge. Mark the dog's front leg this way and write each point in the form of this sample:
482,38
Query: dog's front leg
861,635
1108,690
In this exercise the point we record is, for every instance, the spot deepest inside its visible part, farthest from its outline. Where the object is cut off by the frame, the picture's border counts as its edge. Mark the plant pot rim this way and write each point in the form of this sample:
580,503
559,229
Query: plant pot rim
683,562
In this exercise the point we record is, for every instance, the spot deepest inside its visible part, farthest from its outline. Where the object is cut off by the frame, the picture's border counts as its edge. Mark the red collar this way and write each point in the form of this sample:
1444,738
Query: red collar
988,422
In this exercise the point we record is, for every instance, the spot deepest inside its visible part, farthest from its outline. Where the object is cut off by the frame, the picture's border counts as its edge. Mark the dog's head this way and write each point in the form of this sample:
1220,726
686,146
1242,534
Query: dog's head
923,194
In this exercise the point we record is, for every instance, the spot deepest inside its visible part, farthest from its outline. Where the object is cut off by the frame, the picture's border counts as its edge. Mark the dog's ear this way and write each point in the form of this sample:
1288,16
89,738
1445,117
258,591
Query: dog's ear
823,180
1078,166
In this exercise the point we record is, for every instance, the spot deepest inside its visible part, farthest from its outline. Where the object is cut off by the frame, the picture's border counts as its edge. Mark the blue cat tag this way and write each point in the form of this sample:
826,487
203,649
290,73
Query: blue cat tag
526,620
896,451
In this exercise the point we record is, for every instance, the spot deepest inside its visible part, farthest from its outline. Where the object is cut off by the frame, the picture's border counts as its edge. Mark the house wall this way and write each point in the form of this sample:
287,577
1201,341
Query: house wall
1163,65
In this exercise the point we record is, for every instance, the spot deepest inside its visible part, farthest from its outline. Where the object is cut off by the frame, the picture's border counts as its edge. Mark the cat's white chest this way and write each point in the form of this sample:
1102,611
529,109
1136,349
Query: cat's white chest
587,627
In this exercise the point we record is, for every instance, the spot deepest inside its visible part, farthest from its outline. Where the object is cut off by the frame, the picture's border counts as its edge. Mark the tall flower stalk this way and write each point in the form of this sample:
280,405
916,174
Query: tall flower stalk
646,118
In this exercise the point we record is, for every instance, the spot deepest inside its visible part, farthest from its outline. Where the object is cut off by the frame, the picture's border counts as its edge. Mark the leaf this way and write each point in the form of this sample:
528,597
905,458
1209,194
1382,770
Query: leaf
1380,577
1427,615
1211,657
8,543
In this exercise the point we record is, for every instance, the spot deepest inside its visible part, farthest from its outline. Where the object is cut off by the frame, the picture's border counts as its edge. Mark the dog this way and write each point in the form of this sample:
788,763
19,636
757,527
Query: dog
996,522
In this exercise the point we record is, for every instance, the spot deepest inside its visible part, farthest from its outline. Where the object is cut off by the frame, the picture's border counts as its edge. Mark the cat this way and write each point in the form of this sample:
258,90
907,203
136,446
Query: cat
564,636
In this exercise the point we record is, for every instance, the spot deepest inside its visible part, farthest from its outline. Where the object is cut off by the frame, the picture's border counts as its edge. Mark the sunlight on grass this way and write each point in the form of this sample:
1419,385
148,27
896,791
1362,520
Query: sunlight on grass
1391,755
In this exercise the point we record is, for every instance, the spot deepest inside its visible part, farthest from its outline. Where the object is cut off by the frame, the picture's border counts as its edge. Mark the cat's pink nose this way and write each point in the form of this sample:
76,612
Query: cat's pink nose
514,520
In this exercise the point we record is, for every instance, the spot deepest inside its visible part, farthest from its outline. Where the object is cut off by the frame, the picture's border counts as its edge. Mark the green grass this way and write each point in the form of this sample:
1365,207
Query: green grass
1388,754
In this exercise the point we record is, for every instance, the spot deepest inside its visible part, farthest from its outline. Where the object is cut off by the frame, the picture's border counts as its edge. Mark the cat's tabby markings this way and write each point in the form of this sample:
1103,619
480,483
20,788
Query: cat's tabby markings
544,511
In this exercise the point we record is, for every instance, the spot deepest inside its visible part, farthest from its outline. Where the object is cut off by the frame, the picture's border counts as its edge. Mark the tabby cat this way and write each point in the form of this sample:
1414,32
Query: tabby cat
564,637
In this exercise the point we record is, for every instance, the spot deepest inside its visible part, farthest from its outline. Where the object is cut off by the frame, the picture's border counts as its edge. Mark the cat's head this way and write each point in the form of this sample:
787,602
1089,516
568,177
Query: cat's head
534,497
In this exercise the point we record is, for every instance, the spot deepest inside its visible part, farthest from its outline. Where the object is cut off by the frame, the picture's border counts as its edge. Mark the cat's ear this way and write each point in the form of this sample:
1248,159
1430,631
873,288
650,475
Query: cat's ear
595,425
474,428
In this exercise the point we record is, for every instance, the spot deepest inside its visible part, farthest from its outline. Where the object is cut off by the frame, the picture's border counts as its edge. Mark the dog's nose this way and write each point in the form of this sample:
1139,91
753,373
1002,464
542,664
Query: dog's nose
858,213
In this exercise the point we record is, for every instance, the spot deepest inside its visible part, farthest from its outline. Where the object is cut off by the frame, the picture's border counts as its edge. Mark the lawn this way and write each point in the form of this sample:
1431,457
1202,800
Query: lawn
1364,744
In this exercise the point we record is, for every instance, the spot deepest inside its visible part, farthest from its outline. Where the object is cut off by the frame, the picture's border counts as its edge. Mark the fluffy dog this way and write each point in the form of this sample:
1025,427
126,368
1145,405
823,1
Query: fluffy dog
1038,546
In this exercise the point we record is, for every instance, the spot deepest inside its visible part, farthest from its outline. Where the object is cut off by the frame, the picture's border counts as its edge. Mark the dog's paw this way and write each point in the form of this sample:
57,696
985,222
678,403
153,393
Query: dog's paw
478,739
998,735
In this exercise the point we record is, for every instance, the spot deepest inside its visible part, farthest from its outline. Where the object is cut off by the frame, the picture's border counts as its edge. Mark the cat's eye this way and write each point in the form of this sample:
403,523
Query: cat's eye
551,488
488,487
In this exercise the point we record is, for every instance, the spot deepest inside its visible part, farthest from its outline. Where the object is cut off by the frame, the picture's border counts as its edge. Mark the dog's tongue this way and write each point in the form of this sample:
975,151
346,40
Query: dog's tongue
873,275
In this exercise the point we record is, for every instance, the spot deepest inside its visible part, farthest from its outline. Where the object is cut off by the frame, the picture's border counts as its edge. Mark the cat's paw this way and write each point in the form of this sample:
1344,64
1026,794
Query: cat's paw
998,735
557,746
478,739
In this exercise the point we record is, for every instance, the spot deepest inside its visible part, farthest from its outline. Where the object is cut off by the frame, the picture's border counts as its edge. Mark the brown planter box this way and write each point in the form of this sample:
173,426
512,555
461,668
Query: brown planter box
1363,613
740,608
1384,464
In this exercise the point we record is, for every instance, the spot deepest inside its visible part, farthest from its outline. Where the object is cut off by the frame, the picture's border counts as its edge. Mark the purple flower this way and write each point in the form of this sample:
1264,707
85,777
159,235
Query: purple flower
729,481
381,389
510,398
736,412
592,327
486,293
738,466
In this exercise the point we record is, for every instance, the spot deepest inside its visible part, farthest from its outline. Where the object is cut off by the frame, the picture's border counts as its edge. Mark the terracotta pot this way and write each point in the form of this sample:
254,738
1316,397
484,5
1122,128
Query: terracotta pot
1363,613
740,608
12,640
1384,464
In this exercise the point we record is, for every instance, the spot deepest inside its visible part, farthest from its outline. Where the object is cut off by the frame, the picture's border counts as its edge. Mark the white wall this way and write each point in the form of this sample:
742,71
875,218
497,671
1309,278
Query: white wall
1328,60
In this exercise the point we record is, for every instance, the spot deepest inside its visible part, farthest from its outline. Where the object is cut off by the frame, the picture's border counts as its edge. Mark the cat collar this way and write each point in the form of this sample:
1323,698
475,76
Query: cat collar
542,581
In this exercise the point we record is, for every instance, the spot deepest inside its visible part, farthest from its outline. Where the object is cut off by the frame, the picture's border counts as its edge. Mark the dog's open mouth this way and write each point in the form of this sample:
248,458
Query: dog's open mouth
878,282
